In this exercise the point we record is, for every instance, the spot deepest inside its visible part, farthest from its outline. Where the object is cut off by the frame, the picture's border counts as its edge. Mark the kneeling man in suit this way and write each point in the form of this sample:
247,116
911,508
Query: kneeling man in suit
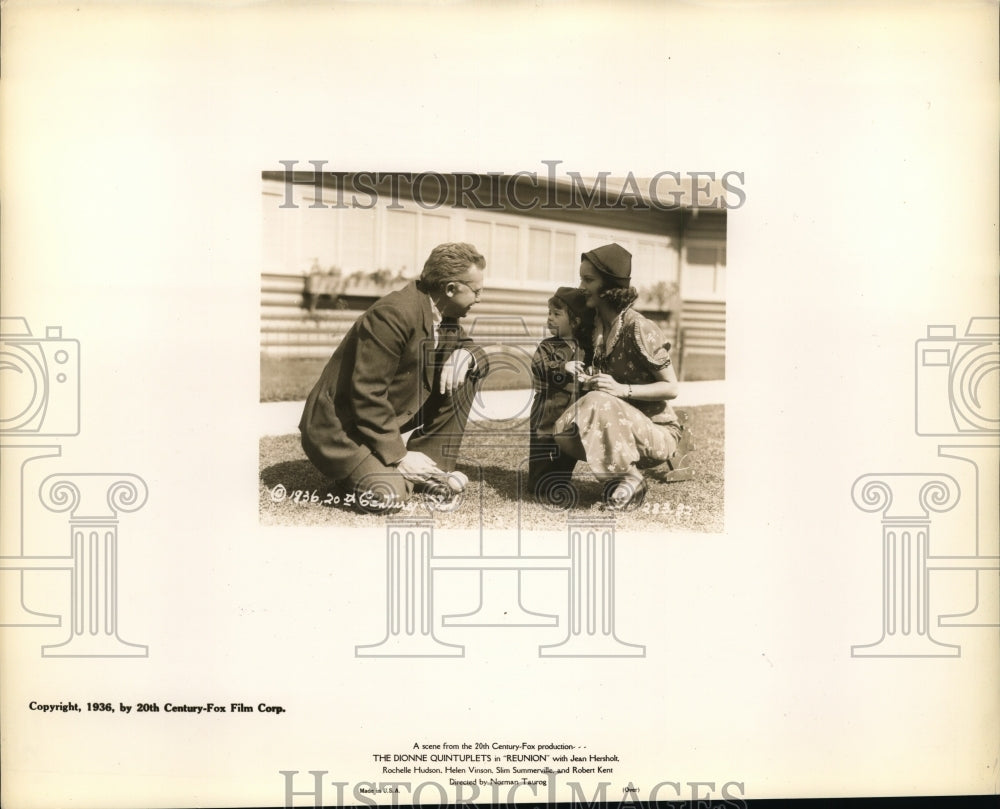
405,364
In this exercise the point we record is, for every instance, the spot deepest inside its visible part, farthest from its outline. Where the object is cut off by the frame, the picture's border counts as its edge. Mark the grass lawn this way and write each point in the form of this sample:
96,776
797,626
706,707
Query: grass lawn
498,449
289,379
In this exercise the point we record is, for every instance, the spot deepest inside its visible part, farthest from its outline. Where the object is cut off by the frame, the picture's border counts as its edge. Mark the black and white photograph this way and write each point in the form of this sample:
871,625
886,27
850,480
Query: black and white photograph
593,311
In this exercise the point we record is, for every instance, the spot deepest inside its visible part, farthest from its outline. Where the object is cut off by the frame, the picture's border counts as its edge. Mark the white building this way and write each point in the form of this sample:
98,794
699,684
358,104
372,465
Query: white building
531,232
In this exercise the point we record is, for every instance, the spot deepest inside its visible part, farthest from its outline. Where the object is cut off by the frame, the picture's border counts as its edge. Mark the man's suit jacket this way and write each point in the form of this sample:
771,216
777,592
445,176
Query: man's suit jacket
376,381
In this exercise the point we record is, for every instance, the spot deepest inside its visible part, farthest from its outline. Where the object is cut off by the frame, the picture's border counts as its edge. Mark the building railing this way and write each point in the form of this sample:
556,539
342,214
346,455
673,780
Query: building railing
291,327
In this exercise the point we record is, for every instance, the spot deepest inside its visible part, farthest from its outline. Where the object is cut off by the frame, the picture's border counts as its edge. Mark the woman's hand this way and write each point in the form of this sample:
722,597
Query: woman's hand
663,389
605,383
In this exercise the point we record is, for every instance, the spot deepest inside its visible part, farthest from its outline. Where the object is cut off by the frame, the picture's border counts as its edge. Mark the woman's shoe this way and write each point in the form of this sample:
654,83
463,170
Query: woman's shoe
625,494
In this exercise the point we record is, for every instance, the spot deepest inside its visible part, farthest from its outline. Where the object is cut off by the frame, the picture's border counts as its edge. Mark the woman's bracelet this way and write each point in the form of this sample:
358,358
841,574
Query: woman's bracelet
629,395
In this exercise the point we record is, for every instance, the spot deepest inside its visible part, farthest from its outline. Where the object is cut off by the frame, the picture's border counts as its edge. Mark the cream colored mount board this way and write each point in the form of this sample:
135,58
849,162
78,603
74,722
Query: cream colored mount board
199,200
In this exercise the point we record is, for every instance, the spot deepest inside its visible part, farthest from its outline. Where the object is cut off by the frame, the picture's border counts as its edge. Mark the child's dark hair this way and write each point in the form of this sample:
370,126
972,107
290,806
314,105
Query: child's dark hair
582,324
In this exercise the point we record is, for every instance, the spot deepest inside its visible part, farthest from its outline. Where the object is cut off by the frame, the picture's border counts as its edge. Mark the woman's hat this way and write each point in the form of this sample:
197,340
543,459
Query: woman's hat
612,261
573,298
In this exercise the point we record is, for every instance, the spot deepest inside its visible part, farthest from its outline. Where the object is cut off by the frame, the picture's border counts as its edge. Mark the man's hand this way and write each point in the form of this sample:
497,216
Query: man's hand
455,369
417,467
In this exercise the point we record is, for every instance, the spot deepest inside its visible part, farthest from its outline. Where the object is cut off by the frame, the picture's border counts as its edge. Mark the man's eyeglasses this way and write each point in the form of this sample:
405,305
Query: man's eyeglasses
473,290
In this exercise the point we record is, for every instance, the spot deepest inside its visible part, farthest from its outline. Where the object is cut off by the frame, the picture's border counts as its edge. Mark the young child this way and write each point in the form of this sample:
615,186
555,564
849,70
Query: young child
555,384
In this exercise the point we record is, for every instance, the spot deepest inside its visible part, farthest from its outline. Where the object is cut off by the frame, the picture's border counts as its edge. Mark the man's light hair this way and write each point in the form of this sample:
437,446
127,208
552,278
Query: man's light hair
448,262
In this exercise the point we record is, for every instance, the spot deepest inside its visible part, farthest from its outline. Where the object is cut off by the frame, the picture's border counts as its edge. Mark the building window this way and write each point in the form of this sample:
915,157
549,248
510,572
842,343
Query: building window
565,259
704,275
401,242
434,230
539,254
504,251
357,248
520,251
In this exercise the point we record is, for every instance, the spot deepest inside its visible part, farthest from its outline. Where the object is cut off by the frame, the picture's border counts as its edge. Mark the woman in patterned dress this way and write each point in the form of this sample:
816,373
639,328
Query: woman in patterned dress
625,422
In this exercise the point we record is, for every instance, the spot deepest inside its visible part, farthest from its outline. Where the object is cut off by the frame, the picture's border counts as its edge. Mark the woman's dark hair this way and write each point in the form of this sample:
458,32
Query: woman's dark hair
619,298
583,332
